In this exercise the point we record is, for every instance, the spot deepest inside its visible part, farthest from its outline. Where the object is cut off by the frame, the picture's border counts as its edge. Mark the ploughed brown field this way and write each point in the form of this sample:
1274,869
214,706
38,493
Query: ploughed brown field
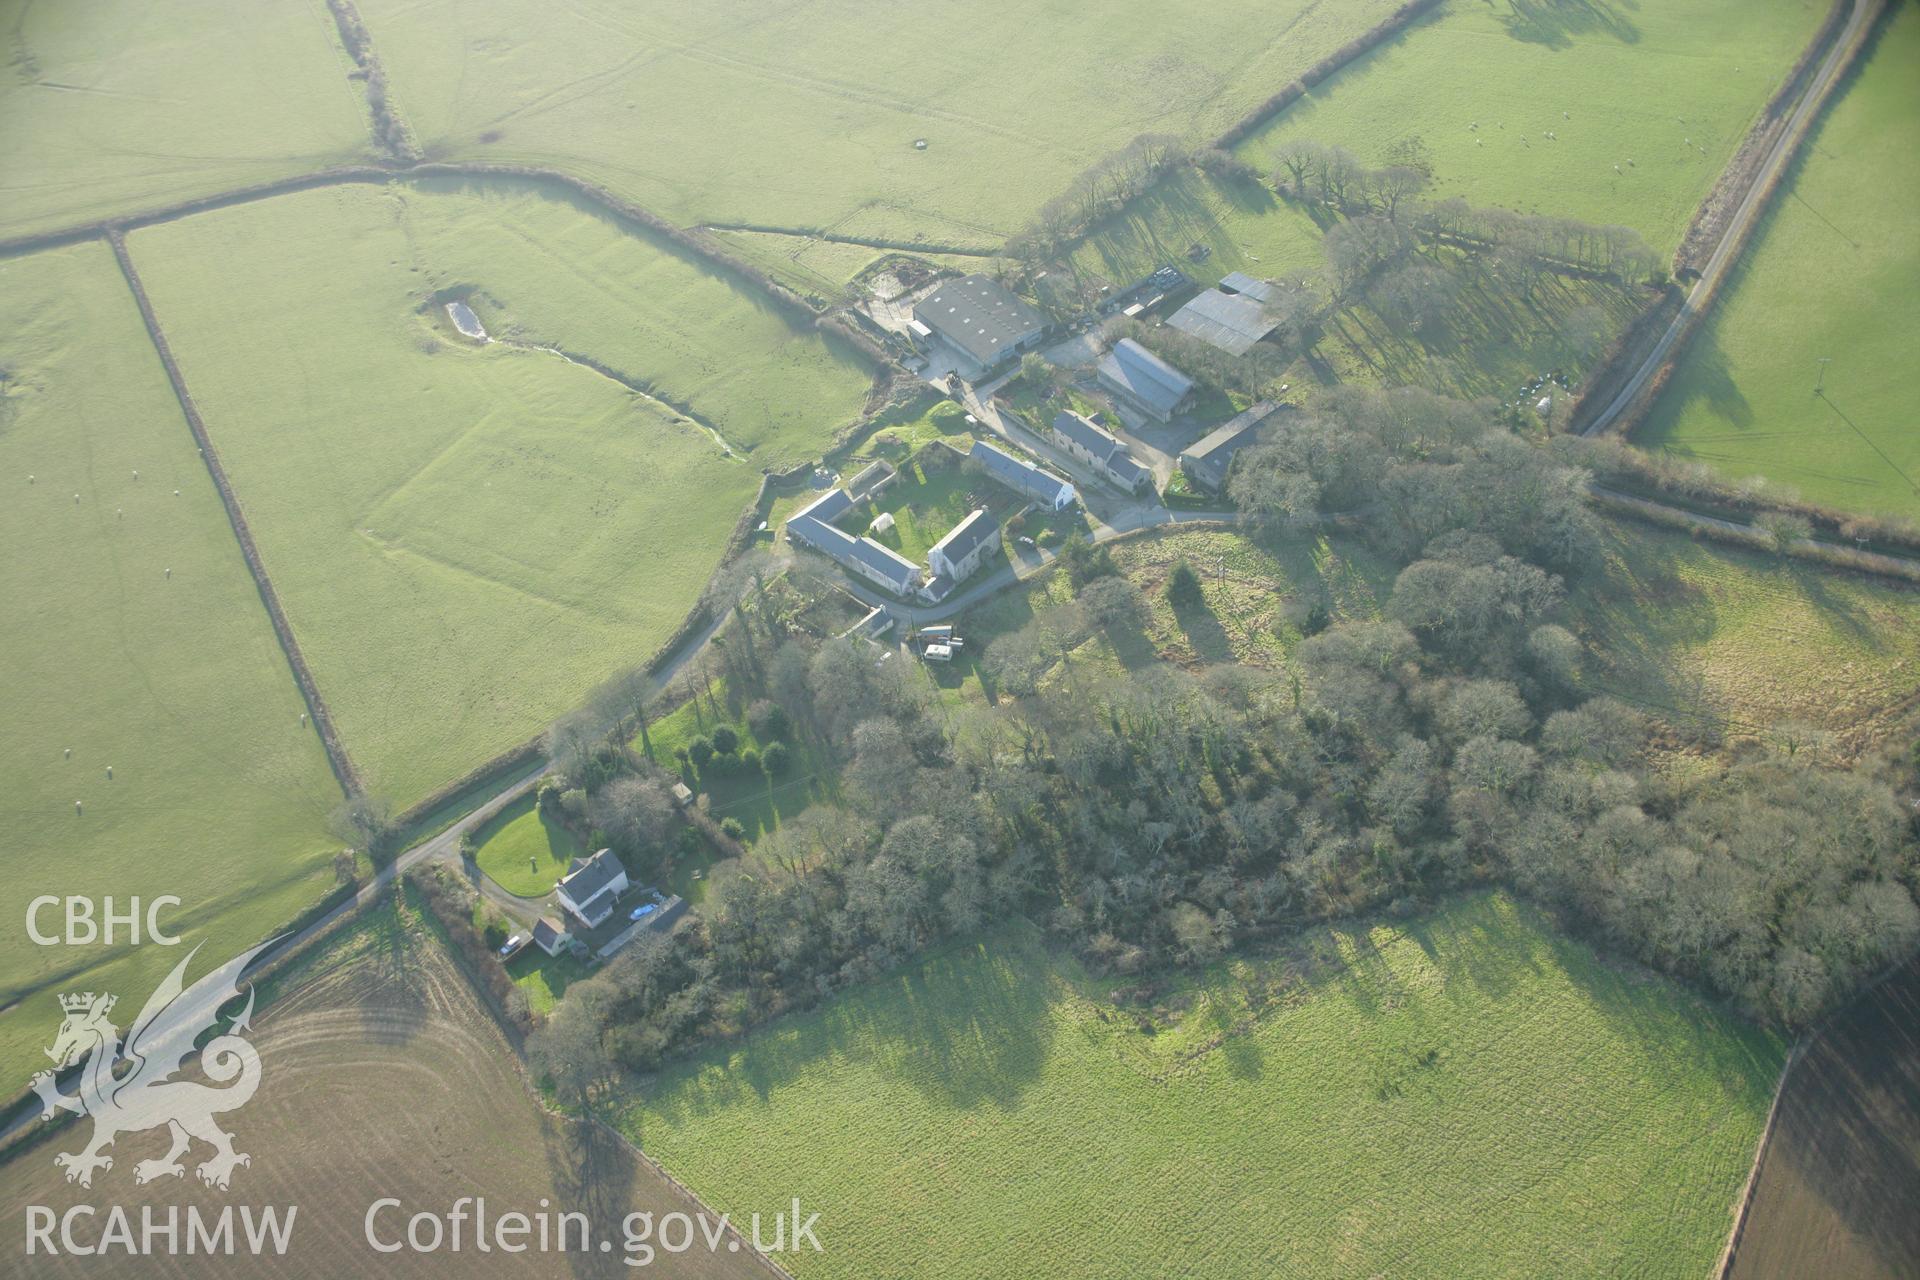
1839,1189
382,1075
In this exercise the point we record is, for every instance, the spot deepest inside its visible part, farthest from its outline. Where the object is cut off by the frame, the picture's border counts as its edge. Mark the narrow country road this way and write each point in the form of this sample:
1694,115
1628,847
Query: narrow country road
1727,252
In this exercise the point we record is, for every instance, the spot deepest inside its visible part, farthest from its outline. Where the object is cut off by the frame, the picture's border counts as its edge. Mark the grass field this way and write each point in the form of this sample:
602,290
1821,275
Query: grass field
466,538
1483,84
1835,1195
549,270
172,99
815,110
523,850
1469,1093
172,679
1727,641
381,1075
1834,272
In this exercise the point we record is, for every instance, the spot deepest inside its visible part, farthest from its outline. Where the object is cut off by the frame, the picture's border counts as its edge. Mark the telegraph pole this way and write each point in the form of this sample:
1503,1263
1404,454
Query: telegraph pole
1820,385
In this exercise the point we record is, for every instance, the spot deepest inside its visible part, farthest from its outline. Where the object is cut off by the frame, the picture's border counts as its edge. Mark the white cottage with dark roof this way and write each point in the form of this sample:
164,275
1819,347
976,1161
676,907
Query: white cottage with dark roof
592,886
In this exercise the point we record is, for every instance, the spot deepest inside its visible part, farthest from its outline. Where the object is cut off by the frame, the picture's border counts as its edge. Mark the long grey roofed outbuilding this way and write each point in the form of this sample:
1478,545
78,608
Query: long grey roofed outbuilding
903,573
826,508
965,536
1206,460
1144,376
1241,282
1015,473
1230,321
980,317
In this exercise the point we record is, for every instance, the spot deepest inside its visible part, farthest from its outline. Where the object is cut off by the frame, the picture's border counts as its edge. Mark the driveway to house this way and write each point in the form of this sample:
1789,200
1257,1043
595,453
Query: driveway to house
1701,296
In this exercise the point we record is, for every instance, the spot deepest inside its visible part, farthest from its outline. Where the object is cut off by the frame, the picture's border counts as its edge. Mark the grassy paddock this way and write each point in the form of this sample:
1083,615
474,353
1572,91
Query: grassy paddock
466,538
1834,272
806,118
543,267
1469,1092
134,638
113,112
1724,641
524,851
1680,83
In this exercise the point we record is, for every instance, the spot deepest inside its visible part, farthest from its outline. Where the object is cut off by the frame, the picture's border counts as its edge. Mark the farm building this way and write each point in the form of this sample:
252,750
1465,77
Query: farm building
980,321
1207,460
879,565
1100,449
1241,283
1233,322
957,555
1137,377
591,887
826,508
1044,487
548,935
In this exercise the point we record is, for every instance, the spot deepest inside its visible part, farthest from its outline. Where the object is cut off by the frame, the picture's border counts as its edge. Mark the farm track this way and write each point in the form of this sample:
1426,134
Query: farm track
337,757
1633,400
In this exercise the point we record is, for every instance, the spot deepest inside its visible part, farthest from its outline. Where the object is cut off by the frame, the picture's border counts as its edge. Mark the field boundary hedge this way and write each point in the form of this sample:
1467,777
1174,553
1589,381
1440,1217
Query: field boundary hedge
337,757
792,304
1392,25
1635,413
1703,232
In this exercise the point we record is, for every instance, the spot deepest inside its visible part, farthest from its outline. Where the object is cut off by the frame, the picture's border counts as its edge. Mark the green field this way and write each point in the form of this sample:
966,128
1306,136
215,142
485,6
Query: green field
1738,641
465,538
110,113
1466,1094
219,794
523,851
541,267
1646,87
754,112
1834,272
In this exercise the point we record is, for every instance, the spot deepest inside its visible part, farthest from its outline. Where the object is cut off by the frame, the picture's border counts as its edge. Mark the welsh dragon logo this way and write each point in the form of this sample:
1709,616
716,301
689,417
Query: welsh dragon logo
131,1089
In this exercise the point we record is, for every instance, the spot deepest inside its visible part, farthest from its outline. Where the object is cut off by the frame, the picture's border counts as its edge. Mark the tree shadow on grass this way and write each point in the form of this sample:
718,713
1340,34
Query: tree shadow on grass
1204,634
968,1026
1557,23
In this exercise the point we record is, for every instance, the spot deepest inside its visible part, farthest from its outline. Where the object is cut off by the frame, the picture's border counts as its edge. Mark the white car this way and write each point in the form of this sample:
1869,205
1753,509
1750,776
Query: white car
642,911
512,943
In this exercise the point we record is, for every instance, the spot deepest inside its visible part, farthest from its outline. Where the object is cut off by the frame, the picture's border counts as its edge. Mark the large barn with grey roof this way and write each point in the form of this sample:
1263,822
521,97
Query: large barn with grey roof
981,321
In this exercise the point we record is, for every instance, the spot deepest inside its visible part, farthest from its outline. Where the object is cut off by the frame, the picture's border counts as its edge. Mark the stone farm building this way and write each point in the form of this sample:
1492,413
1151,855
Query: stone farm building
548,935
1023,477
954,558
1142,380
951,560
592,886
1207,460
1233,317
978,321
1100,449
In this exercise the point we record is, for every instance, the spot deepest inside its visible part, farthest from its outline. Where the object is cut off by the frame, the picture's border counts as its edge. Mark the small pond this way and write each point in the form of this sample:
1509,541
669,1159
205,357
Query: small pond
465,321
